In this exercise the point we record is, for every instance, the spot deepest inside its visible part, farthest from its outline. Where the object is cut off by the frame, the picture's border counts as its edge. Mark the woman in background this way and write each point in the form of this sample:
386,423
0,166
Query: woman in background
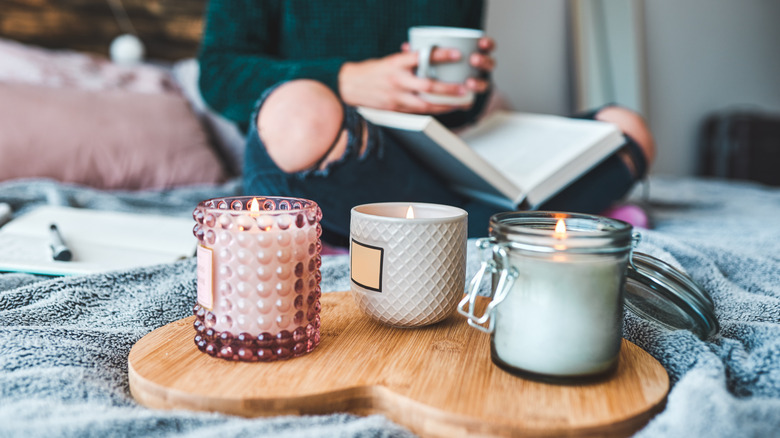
292,72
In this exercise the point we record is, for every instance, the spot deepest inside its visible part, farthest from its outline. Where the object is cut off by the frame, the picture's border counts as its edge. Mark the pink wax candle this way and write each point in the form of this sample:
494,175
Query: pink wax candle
258,277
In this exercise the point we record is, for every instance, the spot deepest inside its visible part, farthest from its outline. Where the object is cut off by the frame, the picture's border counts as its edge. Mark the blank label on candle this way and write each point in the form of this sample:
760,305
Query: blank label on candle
205,277
366,265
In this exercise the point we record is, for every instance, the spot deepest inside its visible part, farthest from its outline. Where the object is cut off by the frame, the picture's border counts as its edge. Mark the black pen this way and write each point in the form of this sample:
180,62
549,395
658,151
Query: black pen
59,251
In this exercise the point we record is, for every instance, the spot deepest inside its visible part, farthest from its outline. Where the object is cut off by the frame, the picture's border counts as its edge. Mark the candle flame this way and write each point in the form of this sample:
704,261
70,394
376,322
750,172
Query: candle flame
254,206
410,213
560,229
254,211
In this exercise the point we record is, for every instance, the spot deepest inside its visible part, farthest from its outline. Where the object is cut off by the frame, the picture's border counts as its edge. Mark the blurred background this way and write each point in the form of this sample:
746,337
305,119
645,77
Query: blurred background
677,62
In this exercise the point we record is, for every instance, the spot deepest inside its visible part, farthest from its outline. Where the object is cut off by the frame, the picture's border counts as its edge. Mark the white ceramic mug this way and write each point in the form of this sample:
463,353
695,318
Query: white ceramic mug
424,39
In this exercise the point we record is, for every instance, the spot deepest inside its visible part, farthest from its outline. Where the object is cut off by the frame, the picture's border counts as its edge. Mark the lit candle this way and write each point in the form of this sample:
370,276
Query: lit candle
258,277
407,262
562,316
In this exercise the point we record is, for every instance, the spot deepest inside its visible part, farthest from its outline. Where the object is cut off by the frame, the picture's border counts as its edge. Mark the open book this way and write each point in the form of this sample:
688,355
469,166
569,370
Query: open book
507,159
98,240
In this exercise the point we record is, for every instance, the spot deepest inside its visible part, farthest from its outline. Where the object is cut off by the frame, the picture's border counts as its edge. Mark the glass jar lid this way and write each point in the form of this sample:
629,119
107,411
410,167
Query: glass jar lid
661,293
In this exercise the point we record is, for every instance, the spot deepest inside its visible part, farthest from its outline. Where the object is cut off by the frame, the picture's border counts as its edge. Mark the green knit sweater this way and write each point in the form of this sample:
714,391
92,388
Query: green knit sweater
249,45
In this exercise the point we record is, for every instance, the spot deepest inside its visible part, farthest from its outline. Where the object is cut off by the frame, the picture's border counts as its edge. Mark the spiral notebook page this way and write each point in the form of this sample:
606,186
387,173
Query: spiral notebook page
99,240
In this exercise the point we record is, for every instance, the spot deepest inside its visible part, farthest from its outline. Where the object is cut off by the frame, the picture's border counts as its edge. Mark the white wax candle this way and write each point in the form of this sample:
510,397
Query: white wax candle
562,316
259,276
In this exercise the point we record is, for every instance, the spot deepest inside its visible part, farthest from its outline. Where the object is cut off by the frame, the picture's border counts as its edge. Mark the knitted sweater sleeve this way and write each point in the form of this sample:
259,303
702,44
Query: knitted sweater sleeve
237,57
240,55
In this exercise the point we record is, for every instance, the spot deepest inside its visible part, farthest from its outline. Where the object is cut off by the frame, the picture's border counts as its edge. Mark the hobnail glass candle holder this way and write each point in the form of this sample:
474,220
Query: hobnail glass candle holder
258,277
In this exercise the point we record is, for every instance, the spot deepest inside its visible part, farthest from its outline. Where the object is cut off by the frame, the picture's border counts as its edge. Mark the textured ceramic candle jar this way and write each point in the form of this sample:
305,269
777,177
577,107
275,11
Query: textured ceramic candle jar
408,261
557,306
258,277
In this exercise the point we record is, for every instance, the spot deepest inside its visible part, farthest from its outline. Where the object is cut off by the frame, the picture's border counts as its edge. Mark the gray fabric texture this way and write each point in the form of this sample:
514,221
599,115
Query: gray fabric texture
64,341
726,236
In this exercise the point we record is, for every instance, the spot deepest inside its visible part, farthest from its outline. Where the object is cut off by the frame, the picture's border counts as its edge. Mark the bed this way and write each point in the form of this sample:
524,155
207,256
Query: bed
64,341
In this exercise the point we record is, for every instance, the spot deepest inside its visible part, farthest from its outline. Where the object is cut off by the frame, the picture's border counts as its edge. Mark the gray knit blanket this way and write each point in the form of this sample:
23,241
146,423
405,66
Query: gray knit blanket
64,341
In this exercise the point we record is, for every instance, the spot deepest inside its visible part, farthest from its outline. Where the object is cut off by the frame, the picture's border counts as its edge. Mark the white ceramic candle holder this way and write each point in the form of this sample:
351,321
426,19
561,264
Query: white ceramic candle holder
408,272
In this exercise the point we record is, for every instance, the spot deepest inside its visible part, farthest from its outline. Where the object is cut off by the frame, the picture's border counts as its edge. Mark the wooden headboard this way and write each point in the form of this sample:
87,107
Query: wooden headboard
170,29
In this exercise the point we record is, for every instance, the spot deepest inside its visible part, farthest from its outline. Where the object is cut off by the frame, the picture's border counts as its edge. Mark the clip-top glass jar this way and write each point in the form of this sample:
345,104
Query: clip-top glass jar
557,310
559,283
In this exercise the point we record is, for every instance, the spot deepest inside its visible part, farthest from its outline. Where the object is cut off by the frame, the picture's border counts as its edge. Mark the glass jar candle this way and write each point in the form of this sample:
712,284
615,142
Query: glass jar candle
557,305
258,277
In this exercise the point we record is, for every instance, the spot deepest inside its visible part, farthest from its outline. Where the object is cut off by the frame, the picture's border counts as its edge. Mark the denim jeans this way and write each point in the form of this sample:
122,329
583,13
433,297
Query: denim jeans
386,172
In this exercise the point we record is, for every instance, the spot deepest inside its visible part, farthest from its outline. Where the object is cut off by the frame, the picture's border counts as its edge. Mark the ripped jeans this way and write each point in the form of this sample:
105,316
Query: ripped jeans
386,172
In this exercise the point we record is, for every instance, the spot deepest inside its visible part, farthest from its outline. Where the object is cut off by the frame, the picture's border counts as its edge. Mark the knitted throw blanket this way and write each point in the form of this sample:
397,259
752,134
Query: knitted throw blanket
64,341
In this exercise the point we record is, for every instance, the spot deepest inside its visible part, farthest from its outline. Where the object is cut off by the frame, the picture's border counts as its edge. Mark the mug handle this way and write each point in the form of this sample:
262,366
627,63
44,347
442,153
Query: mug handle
506,278
424,61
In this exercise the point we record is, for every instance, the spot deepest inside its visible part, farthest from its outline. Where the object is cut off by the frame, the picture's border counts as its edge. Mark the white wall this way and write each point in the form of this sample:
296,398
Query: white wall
701,56
704,56
609,54
532,61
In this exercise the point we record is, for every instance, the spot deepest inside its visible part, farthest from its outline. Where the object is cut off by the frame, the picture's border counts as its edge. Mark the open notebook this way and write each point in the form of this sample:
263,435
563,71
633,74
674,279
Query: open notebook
99,241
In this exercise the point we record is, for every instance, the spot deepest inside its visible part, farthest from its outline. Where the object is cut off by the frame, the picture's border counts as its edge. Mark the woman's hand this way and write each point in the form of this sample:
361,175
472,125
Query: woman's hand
483,60
389,83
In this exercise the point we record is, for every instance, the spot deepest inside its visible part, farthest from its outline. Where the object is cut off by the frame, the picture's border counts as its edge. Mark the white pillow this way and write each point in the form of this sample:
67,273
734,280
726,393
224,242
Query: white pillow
22,63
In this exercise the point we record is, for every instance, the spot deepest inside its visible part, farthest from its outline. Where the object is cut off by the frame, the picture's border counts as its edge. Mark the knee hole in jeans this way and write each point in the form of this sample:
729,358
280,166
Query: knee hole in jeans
300,124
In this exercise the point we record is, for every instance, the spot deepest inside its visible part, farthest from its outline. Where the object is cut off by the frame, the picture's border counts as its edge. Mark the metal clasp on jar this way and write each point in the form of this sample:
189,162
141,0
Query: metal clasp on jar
496,262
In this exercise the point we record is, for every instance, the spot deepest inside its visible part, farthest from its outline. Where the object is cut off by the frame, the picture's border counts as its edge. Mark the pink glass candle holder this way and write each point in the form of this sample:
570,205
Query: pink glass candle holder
258,277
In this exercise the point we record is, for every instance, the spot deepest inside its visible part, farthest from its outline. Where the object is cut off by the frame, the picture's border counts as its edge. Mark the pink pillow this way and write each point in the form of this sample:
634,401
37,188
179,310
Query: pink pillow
108,139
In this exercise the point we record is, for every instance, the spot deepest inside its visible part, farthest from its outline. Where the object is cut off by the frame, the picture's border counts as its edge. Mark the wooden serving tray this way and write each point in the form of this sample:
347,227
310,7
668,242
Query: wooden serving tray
437,381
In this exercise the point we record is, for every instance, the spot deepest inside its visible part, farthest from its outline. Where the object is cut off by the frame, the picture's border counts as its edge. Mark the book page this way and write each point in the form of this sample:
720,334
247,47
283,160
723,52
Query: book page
449,156
530,148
